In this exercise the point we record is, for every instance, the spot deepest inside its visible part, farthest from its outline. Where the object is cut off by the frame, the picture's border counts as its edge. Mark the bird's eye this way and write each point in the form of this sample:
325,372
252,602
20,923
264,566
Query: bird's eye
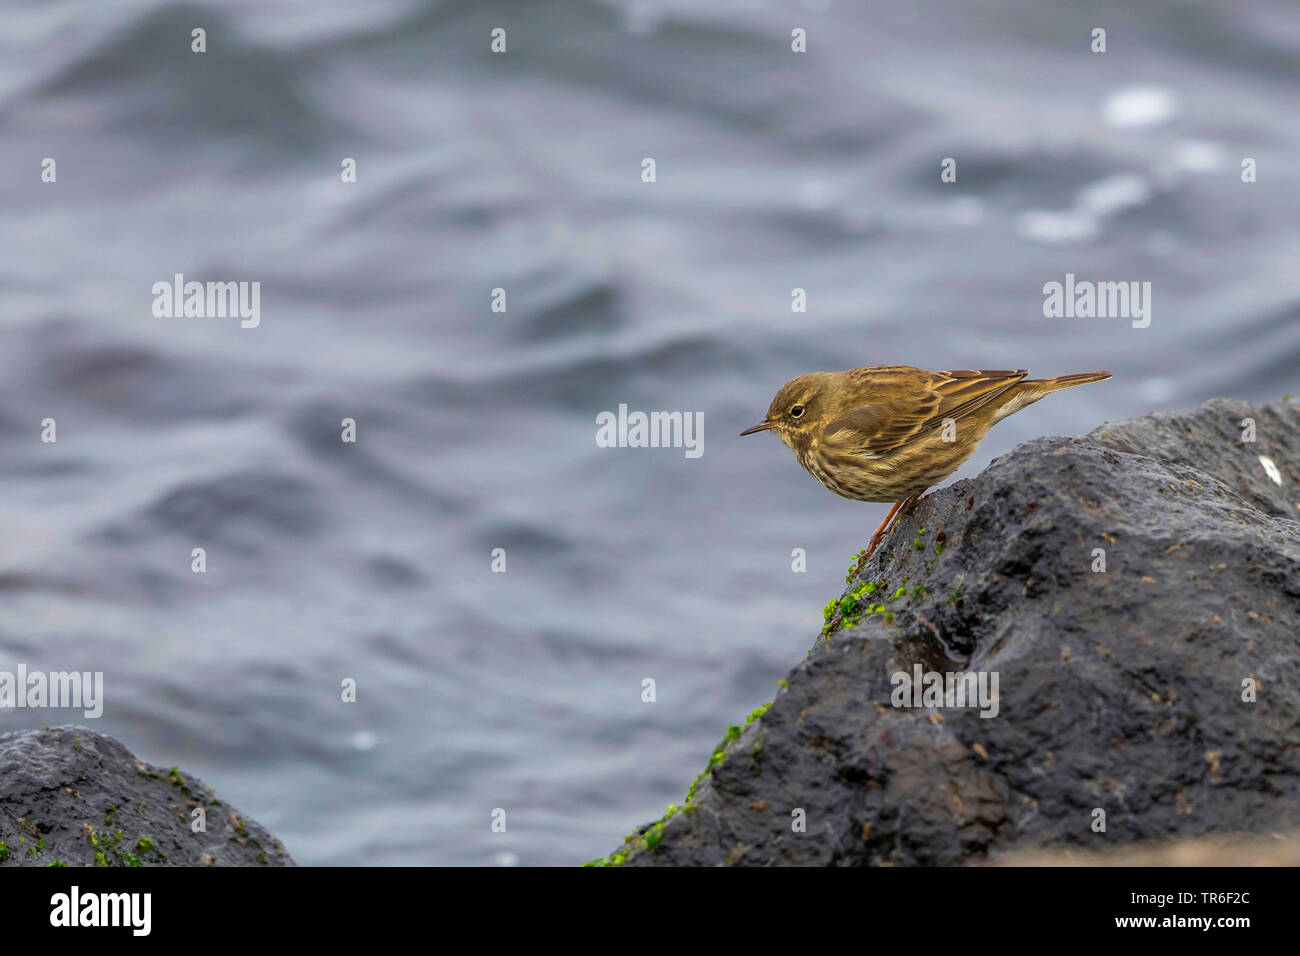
796,412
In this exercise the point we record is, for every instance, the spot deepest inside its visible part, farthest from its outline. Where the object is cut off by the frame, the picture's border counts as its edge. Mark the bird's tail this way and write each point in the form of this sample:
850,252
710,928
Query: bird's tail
1029,390
1047,385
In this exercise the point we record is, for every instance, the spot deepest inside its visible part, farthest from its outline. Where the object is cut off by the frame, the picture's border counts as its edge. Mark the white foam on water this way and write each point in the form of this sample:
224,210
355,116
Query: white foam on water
1111,195
1136,107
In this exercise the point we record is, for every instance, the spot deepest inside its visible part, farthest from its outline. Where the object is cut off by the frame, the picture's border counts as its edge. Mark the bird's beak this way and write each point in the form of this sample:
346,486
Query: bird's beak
761,427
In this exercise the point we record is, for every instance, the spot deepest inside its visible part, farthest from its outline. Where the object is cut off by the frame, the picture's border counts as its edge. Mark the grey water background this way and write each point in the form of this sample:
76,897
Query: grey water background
477,429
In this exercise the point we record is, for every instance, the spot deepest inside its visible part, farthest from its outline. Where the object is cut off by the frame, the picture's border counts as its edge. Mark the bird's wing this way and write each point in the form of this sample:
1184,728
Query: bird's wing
907,403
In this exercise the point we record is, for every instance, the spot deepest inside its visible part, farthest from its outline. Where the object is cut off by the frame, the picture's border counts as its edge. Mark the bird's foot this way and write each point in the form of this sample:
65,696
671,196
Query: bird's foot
871,549
900,508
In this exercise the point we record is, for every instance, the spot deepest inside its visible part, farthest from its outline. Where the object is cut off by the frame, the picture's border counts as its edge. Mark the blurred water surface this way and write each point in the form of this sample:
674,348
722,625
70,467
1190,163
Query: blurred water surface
476,429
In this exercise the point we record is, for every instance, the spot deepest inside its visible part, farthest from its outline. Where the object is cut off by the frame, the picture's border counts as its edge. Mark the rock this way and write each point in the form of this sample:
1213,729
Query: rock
66,793
1119,691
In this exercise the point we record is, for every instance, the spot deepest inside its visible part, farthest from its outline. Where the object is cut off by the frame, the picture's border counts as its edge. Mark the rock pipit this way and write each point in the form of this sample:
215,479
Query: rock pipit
889,432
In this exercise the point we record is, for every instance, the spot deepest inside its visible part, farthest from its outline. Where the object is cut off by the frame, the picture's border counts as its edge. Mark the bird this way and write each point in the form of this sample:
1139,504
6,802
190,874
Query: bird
888,433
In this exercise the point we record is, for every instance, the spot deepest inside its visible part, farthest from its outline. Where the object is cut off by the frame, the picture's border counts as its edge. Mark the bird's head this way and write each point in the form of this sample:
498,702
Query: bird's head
800,404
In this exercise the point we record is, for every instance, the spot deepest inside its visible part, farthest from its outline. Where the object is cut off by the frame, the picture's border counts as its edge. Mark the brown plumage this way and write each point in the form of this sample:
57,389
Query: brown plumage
889,432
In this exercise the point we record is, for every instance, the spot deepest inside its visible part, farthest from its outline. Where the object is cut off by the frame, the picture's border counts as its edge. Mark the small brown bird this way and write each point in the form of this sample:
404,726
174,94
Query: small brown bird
889,432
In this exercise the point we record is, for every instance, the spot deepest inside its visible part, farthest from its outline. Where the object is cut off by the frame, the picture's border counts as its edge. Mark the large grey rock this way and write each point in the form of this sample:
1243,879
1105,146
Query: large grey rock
1119,690
73,796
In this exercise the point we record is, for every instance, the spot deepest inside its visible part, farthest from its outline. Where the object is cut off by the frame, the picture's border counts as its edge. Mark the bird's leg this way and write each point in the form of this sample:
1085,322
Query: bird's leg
879,534
900,508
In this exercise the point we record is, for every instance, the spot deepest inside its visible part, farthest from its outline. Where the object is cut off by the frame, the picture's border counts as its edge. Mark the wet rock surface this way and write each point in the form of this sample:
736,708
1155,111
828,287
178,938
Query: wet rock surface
75,797
1128,588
